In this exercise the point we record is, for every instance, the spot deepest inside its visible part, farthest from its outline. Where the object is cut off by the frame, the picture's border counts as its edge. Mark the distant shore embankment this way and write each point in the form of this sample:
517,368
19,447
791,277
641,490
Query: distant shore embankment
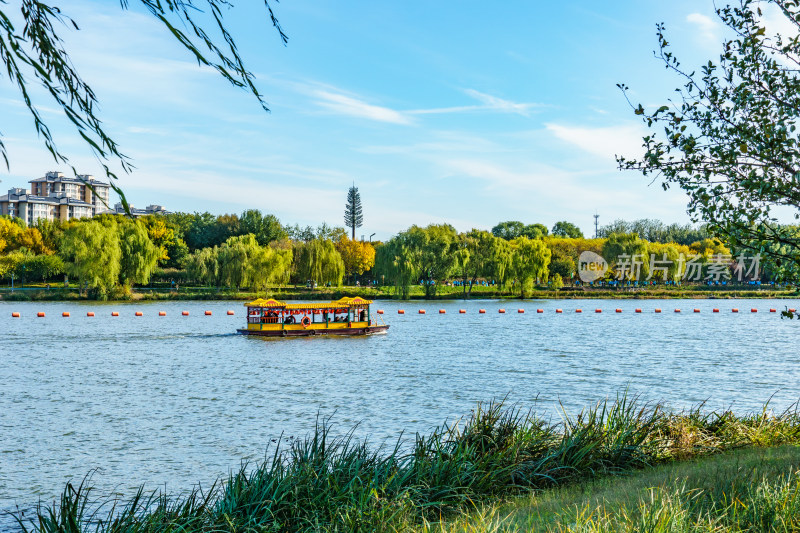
386,293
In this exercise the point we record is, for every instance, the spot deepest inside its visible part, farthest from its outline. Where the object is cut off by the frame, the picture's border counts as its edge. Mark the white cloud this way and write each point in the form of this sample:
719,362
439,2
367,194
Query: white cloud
776,22
499,104
488,103
607,142
707,28
353,107
339,102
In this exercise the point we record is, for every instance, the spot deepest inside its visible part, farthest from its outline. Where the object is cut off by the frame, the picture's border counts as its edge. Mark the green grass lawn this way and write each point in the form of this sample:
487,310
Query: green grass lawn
752,489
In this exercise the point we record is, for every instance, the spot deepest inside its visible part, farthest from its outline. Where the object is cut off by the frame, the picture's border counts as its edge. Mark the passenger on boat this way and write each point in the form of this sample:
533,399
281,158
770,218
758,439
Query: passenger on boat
289,320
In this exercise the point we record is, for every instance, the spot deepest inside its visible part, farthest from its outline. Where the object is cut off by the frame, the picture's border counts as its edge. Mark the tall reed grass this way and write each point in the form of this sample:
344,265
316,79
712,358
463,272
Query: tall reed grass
330,482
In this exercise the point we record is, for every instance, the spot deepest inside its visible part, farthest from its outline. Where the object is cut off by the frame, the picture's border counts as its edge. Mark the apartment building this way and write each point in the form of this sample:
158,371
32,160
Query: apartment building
149,210
57,197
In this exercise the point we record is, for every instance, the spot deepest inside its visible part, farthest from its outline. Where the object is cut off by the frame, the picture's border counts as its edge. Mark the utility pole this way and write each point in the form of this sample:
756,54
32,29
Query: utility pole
596,216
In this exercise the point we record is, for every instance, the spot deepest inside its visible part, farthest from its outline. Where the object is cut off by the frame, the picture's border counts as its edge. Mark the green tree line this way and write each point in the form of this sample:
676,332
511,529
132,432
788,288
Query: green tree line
111,254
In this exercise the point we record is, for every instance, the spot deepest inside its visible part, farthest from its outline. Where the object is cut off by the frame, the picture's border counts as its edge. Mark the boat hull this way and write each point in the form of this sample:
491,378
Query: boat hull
310,332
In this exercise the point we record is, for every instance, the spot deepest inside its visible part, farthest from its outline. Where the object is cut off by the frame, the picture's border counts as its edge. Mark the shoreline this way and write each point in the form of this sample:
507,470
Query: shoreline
35,294
498,456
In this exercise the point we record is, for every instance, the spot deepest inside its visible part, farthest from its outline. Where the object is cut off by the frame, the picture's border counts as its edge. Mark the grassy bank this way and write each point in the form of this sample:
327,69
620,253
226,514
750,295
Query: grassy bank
337,483
752,489
416,293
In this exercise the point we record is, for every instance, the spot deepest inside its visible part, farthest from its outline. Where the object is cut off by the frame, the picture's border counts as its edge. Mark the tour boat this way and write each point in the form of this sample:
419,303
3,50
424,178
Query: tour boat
346,316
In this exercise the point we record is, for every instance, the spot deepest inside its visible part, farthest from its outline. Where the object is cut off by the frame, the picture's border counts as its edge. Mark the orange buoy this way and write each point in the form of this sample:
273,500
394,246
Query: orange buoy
185,313
559,311
208,313
442,311
696,310
501,310
401,311
792,310
462,311
230,312
114,313
715,310
138,313
14,314
540,310
90,313
598,310
40,314
520,310
735,310
380,311
422,311
677,310
754,310
482,311
579,310
619,310
162,313
658,310
638,310
773,311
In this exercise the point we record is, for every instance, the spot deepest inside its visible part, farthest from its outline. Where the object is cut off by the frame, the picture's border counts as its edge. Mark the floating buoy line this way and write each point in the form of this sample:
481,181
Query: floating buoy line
230,312
580,310
67,314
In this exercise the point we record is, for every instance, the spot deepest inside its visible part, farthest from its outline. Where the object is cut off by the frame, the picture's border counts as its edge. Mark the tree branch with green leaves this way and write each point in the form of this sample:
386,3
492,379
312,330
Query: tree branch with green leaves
33,52
730,138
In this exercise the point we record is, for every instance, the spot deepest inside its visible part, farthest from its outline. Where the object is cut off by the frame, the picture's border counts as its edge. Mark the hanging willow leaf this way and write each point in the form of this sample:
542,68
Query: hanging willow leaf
35,54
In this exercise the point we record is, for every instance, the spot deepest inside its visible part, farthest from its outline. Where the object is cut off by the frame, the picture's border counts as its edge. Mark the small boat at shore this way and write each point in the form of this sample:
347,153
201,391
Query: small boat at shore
346,316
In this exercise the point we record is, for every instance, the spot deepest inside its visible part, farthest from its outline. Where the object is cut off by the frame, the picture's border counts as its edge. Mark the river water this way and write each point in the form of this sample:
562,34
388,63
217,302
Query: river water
172,401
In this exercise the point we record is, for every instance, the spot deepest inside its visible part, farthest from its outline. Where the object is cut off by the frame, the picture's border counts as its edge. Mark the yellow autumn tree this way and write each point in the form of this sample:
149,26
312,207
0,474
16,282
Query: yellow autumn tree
31,239
9,231
358,256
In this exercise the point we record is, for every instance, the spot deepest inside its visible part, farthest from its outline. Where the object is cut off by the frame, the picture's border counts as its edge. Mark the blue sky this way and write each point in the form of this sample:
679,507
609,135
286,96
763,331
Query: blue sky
462,112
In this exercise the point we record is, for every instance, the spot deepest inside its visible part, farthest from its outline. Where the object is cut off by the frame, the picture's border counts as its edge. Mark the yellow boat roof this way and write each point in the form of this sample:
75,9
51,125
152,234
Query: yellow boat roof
341,302
261,302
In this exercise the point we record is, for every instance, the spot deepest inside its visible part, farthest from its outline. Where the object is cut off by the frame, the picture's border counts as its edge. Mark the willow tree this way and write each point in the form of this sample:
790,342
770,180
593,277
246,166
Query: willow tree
91,253
486,258
203,266
319,261
730,137
353,215
138,255
232,257
529,262
242,262
398,263
35,54
267,266
627,254
436,247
